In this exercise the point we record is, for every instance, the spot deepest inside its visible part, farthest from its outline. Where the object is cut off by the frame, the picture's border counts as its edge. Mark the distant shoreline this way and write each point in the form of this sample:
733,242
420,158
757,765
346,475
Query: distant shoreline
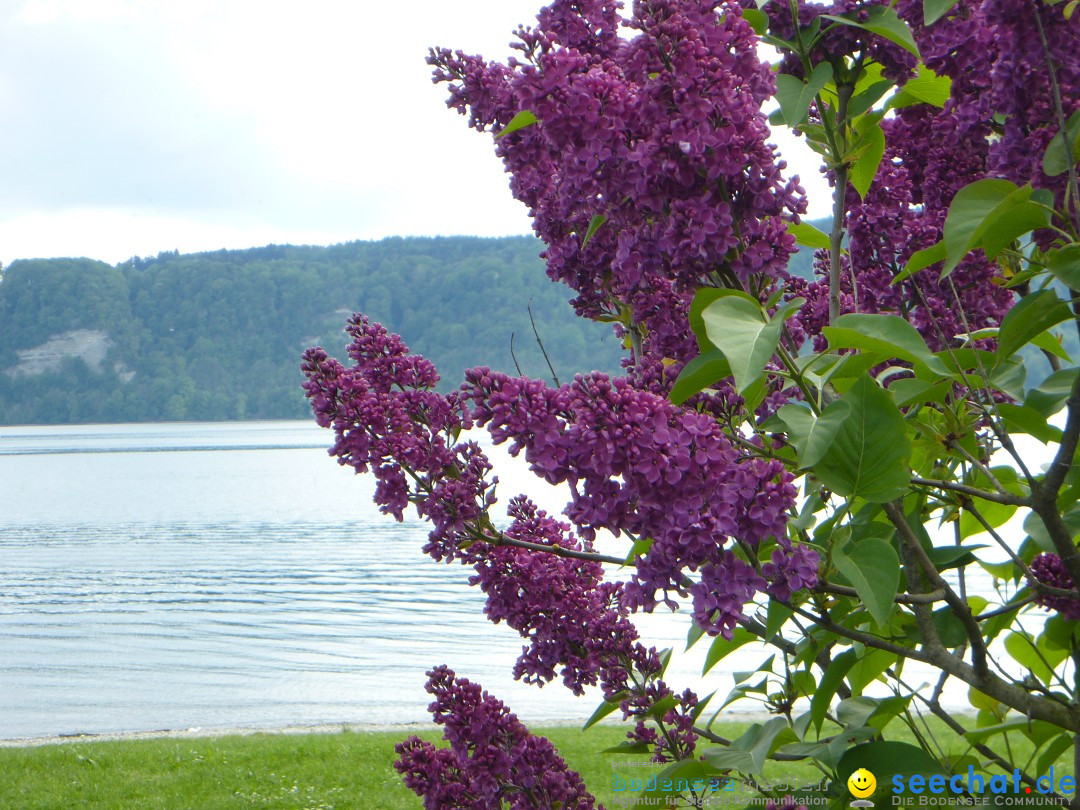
223,731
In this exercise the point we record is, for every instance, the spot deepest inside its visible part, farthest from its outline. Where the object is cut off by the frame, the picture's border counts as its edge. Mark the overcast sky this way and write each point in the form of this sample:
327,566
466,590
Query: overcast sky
136,126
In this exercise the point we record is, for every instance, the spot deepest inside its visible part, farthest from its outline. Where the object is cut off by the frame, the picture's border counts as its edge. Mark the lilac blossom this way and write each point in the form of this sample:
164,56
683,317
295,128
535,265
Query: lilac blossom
387,419
493,761
1048,569
571,617
637,464
791,569
659,134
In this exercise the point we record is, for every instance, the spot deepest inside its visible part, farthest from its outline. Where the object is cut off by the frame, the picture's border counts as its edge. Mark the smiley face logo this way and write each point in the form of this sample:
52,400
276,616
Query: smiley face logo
861,783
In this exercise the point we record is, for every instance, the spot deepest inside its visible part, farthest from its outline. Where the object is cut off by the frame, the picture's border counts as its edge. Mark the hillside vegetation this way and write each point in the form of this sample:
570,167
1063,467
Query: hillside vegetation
216,336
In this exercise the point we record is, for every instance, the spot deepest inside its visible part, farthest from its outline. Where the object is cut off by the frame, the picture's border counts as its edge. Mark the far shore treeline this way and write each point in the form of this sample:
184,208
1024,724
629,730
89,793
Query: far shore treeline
218,336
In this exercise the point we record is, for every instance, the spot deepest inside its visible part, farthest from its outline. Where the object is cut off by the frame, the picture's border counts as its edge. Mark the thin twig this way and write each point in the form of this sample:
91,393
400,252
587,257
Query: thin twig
513,357
1008,608
540,343
900,598
559,551
1003,497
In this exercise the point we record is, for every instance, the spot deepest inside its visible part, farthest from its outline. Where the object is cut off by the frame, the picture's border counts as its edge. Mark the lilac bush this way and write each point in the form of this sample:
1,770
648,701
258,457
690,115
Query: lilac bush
797,462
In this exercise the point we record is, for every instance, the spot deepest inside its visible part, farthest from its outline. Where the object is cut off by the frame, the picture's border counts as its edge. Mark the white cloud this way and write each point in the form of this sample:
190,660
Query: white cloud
133,126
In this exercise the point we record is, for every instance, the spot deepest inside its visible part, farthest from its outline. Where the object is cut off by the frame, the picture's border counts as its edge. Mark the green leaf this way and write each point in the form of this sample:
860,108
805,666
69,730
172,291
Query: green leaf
738,328
700,373
757,19
867,670
1008,376
788,91
1057,747
594,226
1031,317
808,236
702,299
865,99
758,742
870,452
1051,342
873,568
884,22
794,95
830,682
1010,225
639,549
968,212
890,335
777,614
946,557
920,260
983,702
977,735
694,635
813,436
927,88
523,119
949,627
671,781
663,706
934,10
1025,419
722,647
855,711
910,391
830,753
1059,632
1023,650
730,759
665,660
603,710
871,149
1064,263
992,213
1055,161
1036,529
1050,395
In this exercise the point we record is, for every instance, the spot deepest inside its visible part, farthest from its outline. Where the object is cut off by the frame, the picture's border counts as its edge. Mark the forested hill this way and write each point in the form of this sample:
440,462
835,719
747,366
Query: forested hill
213,336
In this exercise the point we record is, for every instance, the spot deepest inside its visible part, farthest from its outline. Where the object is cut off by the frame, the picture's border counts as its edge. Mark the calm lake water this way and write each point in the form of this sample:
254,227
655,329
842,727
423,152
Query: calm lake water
170,576
174,576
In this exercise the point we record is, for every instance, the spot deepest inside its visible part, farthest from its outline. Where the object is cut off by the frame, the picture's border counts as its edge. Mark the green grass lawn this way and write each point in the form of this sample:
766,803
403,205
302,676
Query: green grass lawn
341,770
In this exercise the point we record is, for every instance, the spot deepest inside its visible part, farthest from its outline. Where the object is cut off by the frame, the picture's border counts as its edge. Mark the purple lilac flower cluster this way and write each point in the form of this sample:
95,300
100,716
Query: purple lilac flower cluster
572,618
1048,569
1020,84
790,569
637,464
659,133
493,761
387,418
841,42
997,122
904,211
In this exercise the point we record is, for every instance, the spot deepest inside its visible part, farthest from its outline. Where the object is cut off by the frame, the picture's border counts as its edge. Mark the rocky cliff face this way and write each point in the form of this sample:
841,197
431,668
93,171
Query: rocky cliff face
91,345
